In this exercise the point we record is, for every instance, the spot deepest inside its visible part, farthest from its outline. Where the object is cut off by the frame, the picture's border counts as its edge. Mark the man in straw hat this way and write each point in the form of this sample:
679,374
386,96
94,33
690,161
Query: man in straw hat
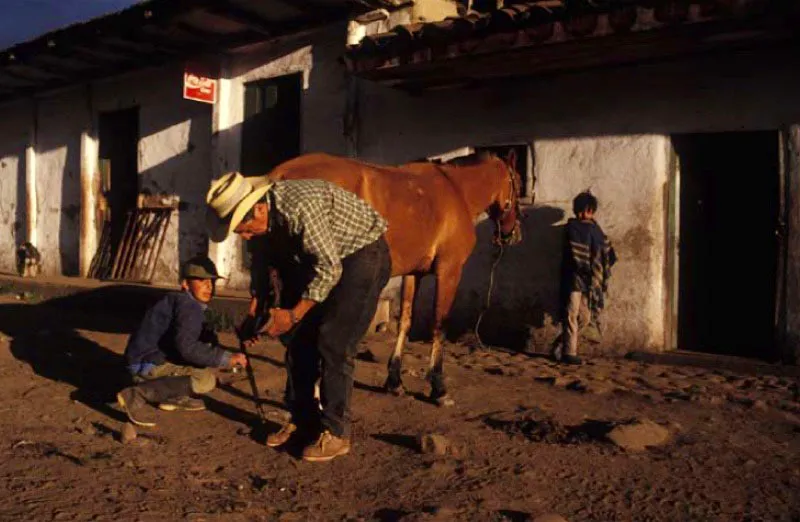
170,355
340,238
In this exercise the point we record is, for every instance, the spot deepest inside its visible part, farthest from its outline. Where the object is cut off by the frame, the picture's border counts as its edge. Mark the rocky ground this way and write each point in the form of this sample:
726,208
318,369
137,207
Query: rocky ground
611,440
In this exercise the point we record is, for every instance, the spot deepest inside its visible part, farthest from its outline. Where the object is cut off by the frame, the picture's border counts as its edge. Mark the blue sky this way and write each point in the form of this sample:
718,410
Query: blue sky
22,20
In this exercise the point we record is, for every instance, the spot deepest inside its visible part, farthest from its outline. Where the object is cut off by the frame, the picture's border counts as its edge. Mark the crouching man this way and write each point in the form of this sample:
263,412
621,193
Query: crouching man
171,354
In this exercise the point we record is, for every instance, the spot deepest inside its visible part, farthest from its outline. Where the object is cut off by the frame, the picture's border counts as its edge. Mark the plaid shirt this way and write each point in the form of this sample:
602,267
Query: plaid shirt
330,222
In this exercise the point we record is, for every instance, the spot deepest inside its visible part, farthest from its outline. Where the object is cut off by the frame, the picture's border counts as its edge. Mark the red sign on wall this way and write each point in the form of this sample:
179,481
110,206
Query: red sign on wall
199,88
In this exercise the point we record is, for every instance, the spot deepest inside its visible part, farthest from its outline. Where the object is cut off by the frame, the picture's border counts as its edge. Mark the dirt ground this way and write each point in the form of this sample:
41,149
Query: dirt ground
526,437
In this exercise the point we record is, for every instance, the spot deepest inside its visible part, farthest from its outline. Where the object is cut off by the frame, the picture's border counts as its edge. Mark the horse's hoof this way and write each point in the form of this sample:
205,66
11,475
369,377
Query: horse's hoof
397,391
445,401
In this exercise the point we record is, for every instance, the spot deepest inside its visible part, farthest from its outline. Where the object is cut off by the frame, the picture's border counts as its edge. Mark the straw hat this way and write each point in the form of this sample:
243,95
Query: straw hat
229,199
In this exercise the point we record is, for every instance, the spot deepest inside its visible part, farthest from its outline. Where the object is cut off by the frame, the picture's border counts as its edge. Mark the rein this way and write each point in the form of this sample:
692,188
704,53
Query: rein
501,241
498,257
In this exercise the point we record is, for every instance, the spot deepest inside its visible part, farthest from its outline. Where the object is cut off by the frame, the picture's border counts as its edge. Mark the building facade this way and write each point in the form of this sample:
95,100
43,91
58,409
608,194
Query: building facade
683,122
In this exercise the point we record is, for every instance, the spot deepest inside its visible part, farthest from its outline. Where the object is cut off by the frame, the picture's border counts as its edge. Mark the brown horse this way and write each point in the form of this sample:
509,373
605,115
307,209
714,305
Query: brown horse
430,209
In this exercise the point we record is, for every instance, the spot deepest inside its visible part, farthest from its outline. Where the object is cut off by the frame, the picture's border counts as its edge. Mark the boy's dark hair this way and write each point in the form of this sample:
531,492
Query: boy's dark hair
584,201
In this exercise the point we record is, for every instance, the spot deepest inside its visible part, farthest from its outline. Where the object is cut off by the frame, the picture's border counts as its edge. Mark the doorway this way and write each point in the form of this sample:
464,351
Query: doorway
118,134
270,131
728,247
271,127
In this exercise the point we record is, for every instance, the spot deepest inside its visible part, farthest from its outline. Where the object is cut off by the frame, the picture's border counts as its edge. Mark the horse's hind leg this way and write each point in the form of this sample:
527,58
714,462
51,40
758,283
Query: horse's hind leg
394,383
446,286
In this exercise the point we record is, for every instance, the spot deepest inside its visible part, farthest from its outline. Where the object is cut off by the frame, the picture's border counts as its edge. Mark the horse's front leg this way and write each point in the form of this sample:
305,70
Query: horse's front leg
394,382
447,279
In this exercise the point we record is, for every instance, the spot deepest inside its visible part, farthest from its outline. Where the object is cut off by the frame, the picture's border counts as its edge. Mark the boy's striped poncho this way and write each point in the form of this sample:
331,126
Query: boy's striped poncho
586,266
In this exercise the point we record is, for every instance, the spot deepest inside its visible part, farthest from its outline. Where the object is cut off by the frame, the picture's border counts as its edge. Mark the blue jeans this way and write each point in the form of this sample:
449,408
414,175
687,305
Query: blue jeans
325,343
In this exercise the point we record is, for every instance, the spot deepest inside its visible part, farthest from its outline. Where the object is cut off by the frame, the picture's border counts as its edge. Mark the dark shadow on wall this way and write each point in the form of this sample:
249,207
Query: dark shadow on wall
187,174
526,281
695,94
69,231
20,229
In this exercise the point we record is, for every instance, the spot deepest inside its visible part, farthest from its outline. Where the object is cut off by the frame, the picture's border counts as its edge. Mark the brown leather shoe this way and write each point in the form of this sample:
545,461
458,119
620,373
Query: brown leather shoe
282,436
135,405
327,447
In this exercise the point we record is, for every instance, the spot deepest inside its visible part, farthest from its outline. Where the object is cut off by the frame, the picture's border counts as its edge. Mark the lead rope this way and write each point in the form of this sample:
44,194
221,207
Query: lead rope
498,257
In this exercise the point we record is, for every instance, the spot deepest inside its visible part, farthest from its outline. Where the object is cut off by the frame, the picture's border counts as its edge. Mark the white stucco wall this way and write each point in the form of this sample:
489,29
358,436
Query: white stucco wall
14,131
174,158
60,121
174,154
607,130
628,175
322,105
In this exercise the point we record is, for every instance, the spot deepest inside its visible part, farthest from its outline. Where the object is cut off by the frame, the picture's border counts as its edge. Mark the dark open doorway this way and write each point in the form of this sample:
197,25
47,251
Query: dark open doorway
118,133
271,127
728,250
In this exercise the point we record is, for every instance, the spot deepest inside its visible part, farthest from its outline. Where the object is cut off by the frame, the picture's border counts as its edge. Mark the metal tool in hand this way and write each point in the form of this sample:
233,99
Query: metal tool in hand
251,376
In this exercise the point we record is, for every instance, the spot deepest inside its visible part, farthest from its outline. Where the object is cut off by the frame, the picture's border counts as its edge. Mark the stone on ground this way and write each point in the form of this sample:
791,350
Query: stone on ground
638,435
434,444
128,433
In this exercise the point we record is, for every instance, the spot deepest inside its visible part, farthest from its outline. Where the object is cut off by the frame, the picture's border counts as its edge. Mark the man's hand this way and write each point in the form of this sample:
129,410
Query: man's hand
238,359
280,322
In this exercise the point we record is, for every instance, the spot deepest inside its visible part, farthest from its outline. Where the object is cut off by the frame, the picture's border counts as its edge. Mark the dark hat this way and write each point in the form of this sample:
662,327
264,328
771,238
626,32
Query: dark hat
200,267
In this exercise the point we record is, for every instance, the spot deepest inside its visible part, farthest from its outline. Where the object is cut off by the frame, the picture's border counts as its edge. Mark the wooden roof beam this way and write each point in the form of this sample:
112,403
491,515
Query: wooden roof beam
137,47
47,69
20,77
196,33
243,17
38,70
314,7
104,55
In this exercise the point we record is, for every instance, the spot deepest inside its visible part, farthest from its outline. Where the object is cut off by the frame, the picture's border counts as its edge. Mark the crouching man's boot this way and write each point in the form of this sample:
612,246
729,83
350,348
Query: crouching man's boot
184,403
135,400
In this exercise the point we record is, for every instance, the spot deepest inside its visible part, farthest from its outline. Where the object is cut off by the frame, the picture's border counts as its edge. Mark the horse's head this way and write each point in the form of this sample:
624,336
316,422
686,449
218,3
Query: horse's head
504,209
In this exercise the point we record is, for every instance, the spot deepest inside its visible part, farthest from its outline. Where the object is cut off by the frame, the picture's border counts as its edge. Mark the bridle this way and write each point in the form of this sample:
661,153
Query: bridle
511,205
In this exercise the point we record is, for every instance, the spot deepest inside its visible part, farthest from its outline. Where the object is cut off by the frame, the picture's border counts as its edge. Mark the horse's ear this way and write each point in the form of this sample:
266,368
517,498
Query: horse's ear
511,159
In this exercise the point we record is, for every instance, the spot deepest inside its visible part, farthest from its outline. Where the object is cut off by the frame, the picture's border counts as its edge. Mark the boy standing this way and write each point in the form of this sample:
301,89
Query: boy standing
171,353
585,270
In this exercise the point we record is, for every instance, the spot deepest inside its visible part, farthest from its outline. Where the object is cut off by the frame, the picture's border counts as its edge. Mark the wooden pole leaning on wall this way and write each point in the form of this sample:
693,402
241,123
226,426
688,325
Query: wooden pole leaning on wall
137,254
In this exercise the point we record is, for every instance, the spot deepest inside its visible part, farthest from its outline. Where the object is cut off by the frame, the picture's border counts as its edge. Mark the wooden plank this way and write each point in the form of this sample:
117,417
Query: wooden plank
168,216
119,254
